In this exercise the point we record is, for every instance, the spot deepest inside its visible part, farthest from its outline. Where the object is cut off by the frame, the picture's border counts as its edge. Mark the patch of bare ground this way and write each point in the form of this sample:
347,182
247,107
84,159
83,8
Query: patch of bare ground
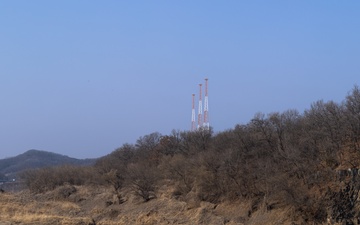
23,208
97,205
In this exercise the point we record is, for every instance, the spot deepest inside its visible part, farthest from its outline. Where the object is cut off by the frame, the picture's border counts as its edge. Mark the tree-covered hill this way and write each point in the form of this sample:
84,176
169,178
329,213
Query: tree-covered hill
33,159
303,164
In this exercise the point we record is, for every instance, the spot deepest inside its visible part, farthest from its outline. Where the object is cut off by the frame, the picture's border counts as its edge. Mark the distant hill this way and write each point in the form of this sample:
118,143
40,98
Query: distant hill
37,159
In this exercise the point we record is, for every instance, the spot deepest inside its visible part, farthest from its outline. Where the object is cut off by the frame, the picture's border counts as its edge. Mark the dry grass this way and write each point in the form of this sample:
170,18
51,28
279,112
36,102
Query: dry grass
91,204
16,208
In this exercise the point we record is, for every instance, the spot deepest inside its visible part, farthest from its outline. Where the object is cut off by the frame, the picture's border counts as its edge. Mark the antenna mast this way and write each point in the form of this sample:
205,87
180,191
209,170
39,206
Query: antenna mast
206,106
200,109
193,125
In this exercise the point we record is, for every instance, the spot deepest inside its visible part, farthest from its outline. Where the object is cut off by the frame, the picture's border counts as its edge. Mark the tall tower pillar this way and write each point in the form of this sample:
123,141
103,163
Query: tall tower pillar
206,106
200,109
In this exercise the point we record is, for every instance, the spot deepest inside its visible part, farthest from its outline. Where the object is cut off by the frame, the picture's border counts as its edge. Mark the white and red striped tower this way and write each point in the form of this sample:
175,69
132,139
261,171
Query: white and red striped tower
200,109
193,125
206,106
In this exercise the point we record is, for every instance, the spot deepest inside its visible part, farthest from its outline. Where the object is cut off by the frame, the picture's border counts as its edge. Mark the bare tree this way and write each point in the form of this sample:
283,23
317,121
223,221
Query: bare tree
113,167
352,104
143,180
181,170
148,142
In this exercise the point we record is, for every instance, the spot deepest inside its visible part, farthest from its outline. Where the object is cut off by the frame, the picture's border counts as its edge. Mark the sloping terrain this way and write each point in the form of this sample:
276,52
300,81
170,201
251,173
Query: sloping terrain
281,168
98,205
33,159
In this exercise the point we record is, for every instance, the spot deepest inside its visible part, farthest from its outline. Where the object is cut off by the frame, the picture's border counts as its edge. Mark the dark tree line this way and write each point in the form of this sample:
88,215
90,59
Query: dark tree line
276,160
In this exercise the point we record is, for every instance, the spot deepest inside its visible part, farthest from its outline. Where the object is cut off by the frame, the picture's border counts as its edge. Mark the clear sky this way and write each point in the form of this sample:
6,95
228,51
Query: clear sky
83,77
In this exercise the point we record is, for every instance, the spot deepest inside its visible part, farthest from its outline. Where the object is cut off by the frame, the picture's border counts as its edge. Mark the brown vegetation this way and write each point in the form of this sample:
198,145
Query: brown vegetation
282,164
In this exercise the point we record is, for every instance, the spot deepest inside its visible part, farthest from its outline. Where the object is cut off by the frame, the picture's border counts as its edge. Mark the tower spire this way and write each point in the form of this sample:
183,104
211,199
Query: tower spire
193,125
200,109
206,106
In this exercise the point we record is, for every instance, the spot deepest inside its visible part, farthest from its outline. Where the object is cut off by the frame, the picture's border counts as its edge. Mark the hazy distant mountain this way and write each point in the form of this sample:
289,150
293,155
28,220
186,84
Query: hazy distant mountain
36,159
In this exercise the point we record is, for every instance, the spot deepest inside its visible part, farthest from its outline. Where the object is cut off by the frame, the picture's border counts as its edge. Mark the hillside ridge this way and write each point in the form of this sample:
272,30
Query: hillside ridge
33,159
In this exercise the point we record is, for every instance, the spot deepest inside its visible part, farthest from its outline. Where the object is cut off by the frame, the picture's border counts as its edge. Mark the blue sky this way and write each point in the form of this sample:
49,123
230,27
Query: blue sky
81,78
